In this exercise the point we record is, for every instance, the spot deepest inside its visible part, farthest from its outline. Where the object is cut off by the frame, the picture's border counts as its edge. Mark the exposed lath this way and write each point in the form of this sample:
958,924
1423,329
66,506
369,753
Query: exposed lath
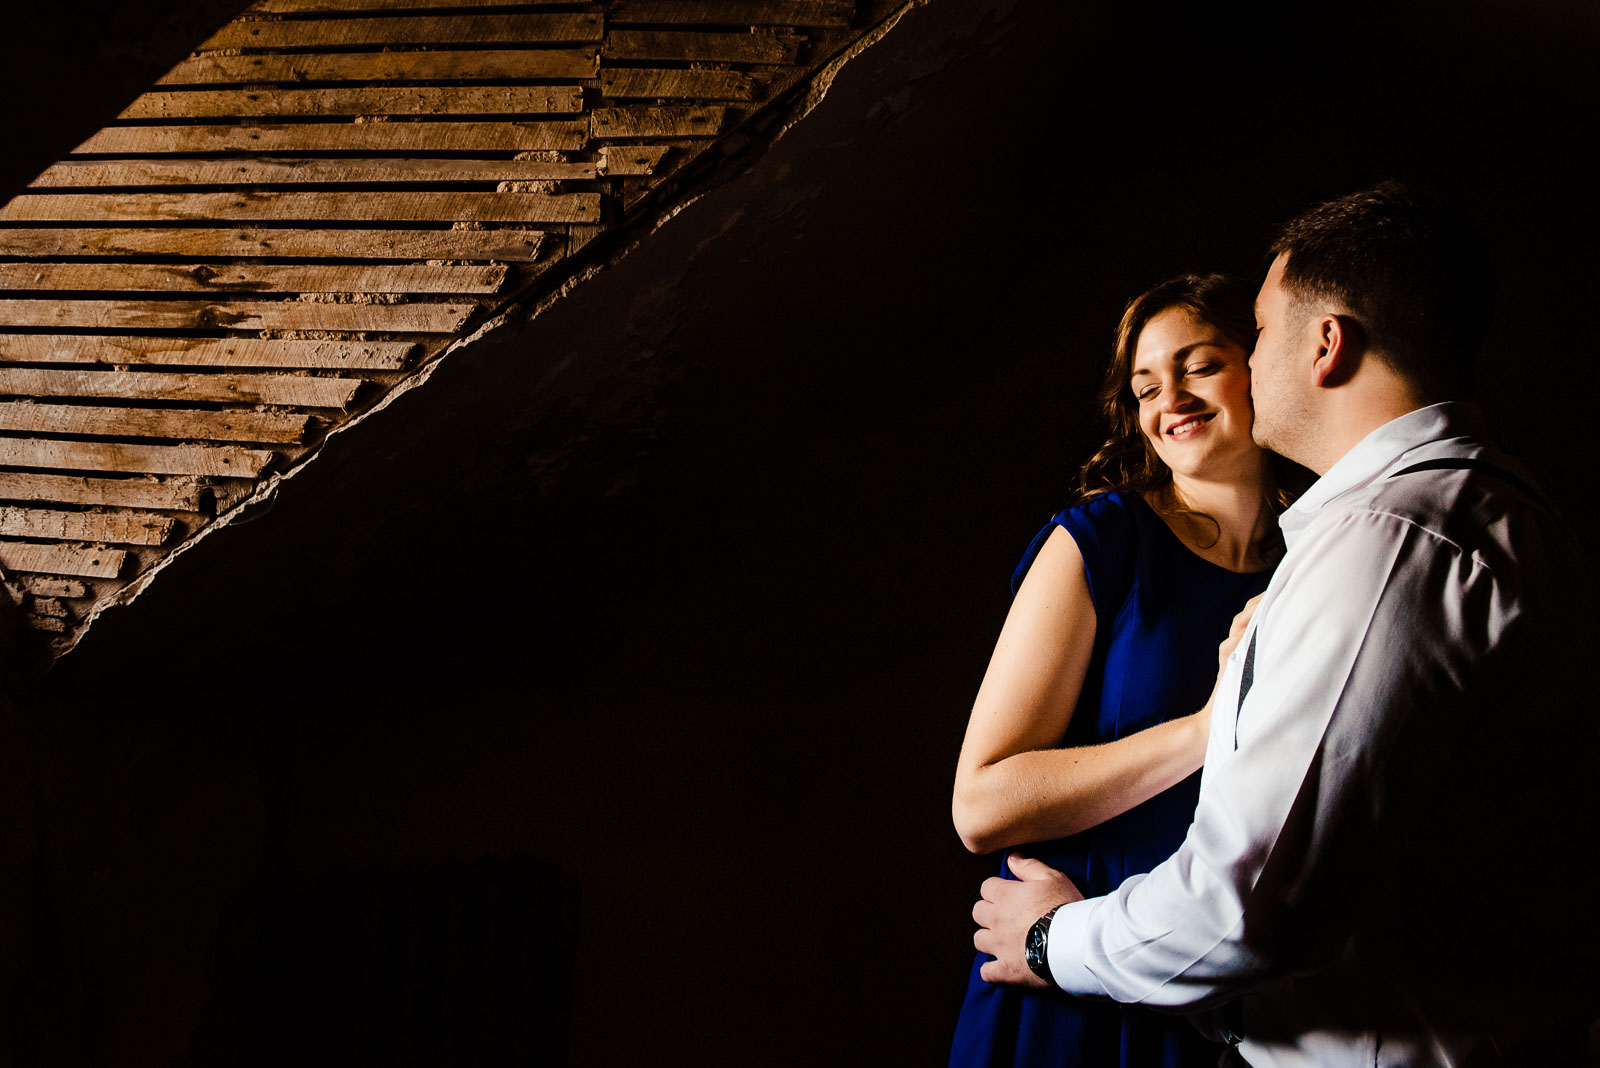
305,214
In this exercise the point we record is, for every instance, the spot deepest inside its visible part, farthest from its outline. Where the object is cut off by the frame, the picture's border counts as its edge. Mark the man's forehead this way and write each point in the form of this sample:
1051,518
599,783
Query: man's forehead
1272,285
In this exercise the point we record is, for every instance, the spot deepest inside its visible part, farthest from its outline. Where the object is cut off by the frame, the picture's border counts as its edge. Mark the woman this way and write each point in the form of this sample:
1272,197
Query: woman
1085,738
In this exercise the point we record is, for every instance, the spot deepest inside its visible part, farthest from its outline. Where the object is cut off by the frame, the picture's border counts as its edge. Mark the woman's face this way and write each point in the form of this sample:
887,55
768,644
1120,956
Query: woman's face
1192,384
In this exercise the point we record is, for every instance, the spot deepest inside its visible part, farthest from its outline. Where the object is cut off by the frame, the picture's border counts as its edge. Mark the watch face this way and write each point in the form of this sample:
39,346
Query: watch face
1035,952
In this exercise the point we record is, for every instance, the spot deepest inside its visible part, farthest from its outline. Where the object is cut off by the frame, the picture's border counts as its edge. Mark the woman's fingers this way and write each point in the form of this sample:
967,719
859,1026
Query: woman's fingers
1237,629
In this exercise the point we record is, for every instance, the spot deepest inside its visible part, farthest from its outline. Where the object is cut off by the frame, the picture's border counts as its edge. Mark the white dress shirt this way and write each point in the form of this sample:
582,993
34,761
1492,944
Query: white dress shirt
1354,879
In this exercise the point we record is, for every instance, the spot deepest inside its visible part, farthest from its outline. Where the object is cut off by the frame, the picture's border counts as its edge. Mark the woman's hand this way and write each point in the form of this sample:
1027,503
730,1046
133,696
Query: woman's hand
1235,634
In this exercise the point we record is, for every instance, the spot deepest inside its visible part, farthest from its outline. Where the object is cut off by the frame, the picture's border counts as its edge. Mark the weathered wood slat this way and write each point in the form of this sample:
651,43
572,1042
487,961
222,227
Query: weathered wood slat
117,528
204,352
96,173
701,47
252,277
507,245
334,7
731,12
406,100
625,159
210,69
405,30
53,587
49,623
218,460
181,424
234,315
48,606
647,83
61,559
172,495
665,121
285,206
293,390
340,137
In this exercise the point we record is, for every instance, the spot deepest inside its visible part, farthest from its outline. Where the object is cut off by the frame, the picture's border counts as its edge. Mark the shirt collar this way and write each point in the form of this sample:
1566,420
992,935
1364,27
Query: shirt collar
1380,452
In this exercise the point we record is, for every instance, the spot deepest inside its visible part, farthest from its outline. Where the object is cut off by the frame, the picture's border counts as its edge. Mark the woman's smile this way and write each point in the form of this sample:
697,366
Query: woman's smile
1189,426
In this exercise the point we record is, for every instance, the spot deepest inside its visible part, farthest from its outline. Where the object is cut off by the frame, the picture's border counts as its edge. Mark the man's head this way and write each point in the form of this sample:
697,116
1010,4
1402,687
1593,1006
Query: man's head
1386,291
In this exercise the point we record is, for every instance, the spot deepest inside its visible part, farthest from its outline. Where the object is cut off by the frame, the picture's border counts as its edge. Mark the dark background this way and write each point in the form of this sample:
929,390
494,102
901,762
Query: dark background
679,594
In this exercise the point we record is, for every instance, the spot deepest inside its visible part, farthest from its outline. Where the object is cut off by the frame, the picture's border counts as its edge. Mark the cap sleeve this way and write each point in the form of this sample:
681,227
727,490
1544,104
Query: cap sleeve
1107,539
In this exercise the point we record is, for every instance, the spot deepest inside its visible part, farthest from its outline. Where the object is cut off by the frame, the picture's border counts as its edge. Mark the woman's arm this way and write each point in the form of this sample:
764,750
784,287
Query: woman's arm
1012,786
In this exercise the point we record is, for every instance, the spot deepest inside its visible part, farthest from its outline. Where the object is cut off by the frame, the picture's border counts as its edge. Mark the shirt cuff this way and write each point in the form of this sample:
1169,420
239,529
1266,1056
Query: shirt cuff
1063,949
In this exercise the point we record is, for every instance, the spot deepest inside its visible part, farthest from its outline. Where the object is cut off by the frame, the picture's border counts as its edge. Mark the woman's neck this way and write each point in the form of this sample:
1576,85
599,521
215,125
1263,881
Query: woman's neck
1240,518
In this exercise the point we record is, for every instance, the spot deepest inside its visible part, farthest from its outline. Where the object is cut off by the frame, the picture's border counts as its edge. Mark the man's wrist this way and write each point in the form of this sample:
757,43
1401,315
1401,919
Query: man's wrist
1065,946
1037,947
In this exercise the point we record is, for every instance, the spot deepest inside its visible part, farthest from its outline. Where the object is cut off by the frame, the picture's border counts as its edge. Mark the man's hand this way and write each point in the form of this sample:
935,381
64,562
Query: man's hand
1008,909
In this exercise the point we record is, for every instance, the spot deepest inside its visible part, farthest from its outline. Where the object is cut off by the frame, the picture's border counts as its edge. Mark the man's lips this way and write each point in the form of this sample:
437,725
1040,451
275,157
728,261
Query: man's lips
1188,425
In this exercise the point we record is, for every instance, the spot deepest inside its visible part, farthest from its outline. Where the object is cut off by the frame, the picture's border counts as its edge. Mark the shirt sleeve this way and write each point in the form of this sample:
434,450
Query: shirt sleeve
1341,662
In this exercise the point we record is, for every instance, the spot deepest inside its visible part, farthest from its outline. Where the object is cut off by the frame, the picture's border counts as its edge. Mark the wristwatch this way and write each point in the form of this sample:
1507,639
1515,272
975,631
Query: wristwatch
1038,935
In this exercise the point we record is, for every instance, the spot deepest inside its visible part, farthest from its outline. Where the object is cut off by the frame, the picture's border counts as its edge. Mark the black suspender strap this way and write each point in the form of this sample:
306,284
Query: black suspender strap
1483,467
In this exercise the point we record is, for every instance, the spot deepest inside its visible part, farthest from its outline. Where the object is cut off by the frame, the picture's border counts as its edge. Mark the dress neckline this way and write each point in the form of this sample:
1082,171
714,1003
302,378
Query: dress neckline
1161,522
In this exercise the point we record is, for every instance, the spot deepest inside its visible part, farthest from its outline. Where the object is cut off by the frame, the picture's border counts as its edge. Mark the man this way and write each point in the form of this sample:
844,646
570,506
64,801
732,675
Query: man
1378,869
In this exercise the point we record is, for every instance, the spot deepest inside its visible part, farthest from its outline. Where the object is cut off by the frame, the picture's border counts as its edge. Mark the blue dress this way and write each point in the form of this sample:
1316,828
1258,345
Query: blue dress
1160,612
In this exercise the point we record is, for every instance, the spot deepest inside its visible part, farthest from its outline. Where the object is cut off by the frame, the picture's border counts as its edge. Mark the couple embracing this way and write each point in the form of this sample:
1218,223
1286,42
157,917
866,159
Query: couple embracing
1364,840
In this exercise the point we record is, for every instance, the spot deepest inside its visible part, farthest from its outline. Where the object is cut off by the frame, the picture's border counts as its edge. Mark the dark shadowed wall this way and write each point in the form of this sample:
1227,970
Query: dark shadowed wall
681,592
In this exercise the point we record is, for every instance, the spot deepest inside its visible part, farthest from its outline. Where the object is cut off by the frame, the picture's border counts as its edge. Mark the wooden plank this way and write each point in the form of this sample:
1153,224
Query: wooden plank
224,460
251,277
319,7
48,606
204,352
238,315
628,159
731,12
508,245
489,65
181,424
304,207
292,390
96,173
405,30
403,100
669,84
49,623
117,528
701,47
61,559
175,496
651,121
53,587
340,137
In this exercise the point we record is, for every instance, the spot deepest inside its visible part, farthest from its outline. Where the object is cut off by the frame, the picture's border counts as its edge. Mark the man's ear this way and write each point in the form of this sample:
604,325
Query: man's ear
1340,344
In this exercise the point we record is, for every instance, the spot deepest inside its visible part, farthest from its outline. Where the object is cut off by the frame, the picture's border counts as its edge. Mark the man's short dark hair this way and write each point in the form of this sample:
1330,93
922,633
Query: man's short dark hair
1410,268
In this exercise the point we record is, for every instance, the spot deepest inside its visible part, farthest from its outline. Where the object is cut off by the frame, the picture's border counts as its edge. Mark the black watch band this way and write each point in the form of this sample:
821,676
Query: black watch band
1038,936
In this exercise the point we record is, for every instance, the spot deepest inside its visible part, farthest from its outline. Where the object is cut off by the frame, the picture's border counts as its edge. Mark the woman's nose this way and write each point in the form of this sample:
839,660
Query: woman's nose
1176,399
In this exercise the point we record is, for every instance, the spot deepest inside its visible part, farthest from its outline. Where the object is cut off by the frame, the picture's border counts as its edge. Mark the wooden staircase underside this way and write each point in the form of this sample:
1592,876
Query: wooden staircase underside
301,217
